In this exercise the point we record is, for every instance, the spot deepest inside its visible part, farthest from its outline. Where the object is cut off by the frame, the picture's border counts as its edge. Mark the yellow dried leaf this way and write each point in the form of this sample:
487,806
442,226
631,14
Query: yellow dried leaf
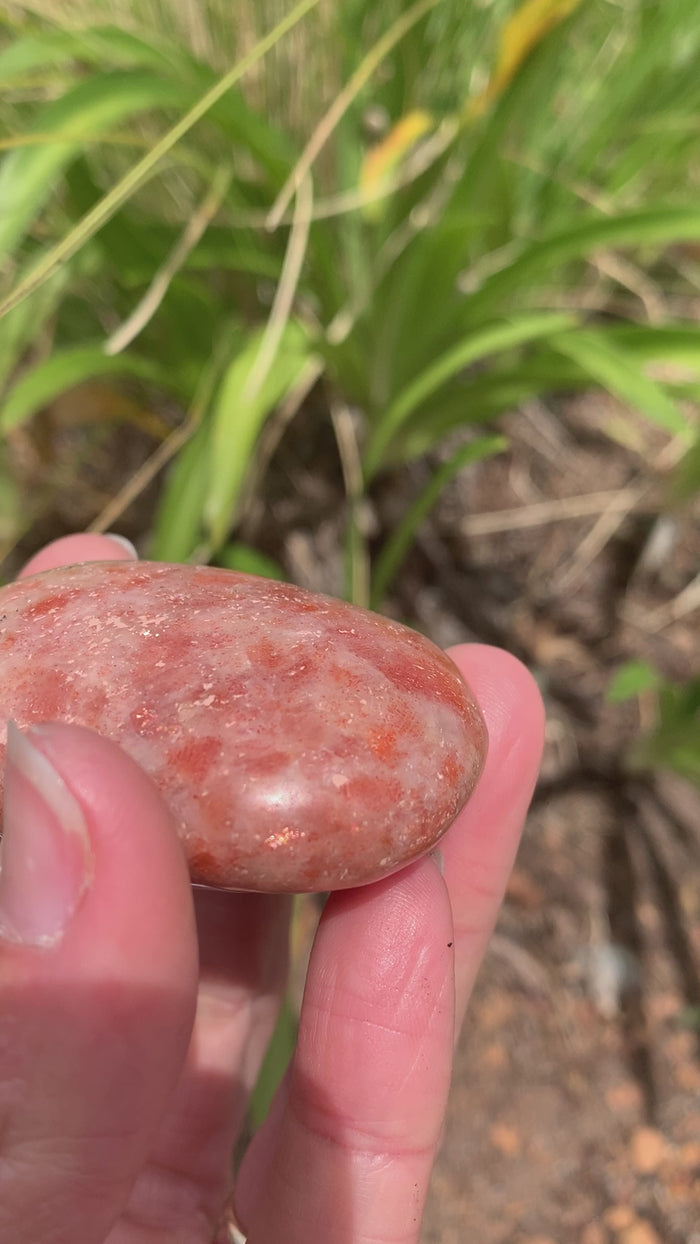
385,156
519,35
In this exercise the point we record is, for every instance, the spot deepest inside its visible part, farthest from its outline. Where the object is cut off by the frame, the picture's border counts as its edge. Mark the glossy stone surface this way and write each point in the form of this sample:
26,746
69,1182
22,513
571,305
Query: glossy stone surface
301,744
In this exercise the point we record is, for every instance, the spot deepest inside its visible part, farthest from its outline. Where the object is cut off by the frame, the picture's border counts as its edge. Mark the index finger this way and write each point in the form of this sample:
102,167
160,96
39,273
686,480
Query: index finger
480,846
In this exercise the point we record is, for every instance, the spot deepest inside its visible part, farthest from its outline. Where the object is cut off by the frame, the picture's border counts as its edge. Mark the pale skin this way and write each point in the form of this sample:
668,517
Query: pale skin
129,1045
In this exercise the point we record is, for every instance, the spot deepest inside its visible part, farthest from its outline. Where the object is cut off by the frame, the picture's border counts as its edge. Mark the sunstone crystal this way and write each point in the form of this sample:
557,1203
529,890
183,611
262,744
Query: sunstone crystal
300,743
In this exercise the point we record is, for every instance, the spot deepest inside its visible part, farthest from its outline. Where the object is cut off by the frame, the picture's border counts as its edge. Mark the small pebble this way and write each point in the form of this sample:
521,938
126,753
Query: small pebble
301,744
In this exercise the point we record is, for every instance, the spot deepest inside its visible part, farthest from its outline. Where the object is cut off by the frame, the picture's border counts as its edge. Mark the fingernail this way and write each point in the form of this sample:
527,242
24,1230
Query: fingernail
46,858
126,544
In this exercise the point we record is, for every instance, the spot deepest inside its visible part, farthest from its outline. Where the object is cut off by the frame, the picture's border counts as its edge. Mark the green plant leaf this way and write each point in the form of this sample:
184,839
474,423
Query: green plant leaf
608,365
689,1017
399,543
630,680
178,527
674,743
145,168
678,750
238,419
480,344
22,326
658,343
109,47
37,51
636,229
531,22
685,481
482,397
63,371
15,513
244,558
275,1063
84,113
103,46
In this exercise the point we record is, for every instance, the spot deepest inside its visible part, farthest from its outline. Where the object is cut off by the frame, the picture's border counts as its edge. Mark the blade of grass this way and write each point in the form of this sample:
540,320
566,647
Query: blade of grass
685,481
63,371
146,167
152,299
609,366
518,36
237,423
22,328
357,565
630,680
178,526
165,453
286,291
110,47
668,343
255,384
482,398
342,102
88,111
103,46
275,1063
397,546
247,560
480,344
649,228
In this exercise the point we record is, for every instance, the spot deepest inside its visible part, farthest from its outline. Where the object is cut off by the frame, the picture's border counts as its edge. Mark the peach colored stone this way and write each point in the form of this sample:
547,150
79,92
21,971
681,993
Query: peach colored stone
648,1148
301,744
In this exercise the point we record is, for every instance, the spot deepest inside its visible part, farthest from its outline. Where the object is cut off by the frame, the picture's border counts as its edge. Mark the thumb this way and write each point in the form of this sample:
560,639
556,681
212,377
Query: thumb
97,981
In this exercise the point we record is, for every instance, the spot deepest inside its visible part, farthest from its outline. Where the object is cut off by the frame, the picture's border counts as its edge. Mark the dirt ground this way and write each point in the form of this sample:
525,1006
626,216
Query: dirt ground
575,1109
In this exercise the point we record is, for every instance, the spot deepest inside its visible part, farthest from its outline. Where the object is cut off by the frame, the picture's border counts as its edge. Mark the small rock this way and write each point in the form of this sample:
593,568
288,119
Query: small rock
506,1139
593,1234
640,1233
625,1098
300,743
619,1217
689,1156
648,1149
523,892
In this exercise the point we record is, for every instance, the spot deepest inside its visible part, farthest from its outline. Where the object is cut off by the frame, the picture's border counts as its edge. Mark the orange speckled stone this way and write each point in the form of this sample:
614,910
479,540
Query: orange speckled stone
301,743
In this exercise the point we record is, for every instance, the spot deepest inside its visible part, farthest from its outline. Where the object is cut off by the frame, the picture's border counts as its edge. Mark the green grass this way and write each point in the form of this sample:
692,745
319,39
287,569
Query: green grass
191,212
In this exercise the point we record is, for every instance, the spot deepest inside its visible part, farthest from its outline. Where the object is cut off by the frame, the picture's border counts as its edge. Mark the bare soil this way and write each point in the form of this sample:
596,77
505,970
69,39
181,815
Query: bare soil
575,1111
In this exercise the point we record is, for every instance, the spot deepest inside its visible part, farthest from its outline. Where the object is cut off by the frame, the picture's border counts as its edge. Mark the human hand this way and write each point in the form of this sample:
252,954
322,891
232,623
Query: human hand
134,1011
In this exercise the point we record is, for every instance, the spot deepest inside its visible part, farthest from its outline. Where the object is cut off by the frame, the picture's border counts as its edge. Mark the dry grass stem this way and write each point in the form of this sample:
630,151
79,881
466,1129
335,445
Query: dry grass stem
284,294
614,515
149,304
143,477
353,479
274,430
340,105
144,169
541,513
687,601
602,531
165,452
630,277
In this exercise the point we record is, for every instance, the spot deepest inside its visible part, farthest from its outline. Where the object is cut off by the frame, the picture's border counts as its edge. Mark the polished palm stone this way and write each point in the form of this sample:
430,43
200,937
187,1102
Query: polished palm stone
301,743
